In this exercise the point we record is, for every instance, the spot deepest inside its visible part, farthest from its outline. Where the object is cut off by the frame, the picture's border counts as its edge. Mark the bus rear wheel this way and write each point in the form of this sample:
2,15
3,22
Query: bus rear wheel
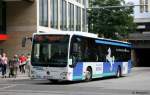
88,75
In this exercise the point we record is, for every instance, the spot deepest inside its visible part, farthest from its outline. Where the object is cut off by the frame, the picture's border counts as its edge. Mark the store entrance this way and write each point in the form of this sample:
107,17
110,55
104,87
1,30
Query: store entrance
142,57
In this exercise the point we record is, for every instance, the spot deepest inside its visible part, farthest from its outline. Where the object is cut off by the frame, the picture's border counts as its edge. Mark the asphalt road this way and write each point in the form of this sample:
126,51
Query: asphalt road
136,83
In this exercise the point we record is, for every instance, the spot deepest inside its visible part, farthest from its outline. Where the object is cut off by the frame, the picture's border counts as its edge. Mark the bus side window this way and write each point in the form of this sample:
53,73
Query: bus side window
103,52
90,51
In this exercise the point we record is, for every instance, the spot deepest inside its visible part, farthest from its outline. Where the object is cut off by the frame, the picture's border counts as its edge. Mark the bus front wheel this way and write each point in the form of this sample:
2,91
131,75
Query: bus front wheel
88,75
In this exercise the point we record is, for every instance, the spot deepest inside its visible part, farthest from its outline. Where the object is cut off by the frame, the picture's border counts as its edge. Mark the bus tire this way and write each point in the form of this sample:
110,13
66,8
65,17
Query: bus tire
88,75
118,73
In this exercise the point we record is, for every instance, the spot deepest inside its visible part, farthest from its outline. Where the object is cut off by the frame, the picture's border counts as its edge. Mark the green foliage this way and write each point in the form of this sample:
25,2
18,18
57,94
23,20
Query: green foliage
113,23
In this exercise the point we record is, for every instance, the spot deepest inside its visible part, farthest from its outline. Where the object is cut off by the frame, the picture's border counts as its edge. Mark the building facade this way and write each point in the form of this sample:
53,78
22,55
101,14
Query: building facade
67,15
141,38
22,18
141,14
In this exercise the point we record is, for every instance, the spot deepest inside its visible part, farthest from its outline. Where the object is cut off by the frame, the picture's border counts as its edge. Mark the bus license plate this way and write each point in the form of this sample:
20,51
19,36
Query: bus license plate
47,77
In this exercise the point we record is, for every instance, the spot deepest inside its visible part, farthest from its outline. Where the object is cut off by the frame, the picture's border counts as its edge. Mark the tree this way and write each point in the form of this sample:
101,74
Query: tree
111,22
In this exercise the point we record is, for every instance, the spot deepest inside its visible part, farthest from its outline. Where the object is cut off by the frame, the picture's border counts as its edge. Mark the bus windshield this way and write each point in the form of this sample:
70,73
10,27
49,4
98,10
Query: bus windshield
50,50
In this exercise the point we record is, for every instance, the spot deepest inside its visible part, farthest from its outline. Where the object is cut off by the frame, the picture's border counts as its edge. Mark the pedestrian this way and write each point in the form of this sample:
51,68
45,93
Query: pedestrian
11,68
22,60
13,64
0,62
28,64
16,64
4,60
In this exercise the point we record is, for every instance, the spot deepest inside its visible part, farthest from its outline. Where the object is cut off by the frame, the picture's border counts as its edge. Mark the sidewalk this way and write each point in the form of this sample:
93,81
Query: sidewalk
20,76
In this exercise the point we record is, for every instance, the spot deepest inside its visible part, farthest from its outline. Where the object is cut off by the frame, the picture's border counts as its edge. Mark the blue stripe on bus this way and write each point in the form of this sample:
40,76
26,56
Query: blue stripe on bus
107,67
112,43
77,71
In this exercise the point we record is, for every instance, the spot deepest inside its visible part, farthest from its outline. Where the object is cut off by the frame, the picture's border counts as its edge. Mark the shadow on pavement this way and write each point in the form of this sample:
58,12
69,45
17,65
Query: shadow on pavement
70,82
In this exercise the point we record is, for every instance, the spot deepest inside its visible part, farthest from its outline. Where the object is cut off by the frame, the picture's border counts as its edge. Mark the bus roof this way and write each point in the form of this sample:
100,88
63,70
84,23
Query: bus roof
86,34
92,35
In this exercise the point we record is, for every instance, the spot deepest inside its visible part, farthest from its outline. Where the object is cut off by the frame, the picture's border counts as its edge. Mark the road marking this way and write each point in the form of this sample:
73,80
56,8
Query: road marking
3,88
33,91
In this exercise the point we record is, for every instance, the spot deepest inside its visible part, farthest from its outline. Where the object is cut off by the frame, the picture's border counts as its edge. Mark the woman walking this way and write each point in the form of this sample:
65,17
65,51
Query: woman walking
23,60
0,62
4,61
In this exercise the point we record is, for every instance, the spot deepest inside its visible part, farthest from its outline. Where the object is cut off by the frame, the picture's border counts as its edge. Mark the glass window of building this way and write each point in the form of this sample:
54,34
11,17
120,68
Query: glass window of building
63,15
141,6
51,13
54,13
78,18
2,17
71,16
78,1
146,6
83,20
43,13
84,2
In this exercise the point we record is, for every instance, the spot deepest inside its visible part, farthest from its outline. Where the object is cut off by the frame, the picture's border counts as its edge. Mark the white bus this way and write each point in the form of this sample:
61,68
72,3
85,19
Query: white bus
78,56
